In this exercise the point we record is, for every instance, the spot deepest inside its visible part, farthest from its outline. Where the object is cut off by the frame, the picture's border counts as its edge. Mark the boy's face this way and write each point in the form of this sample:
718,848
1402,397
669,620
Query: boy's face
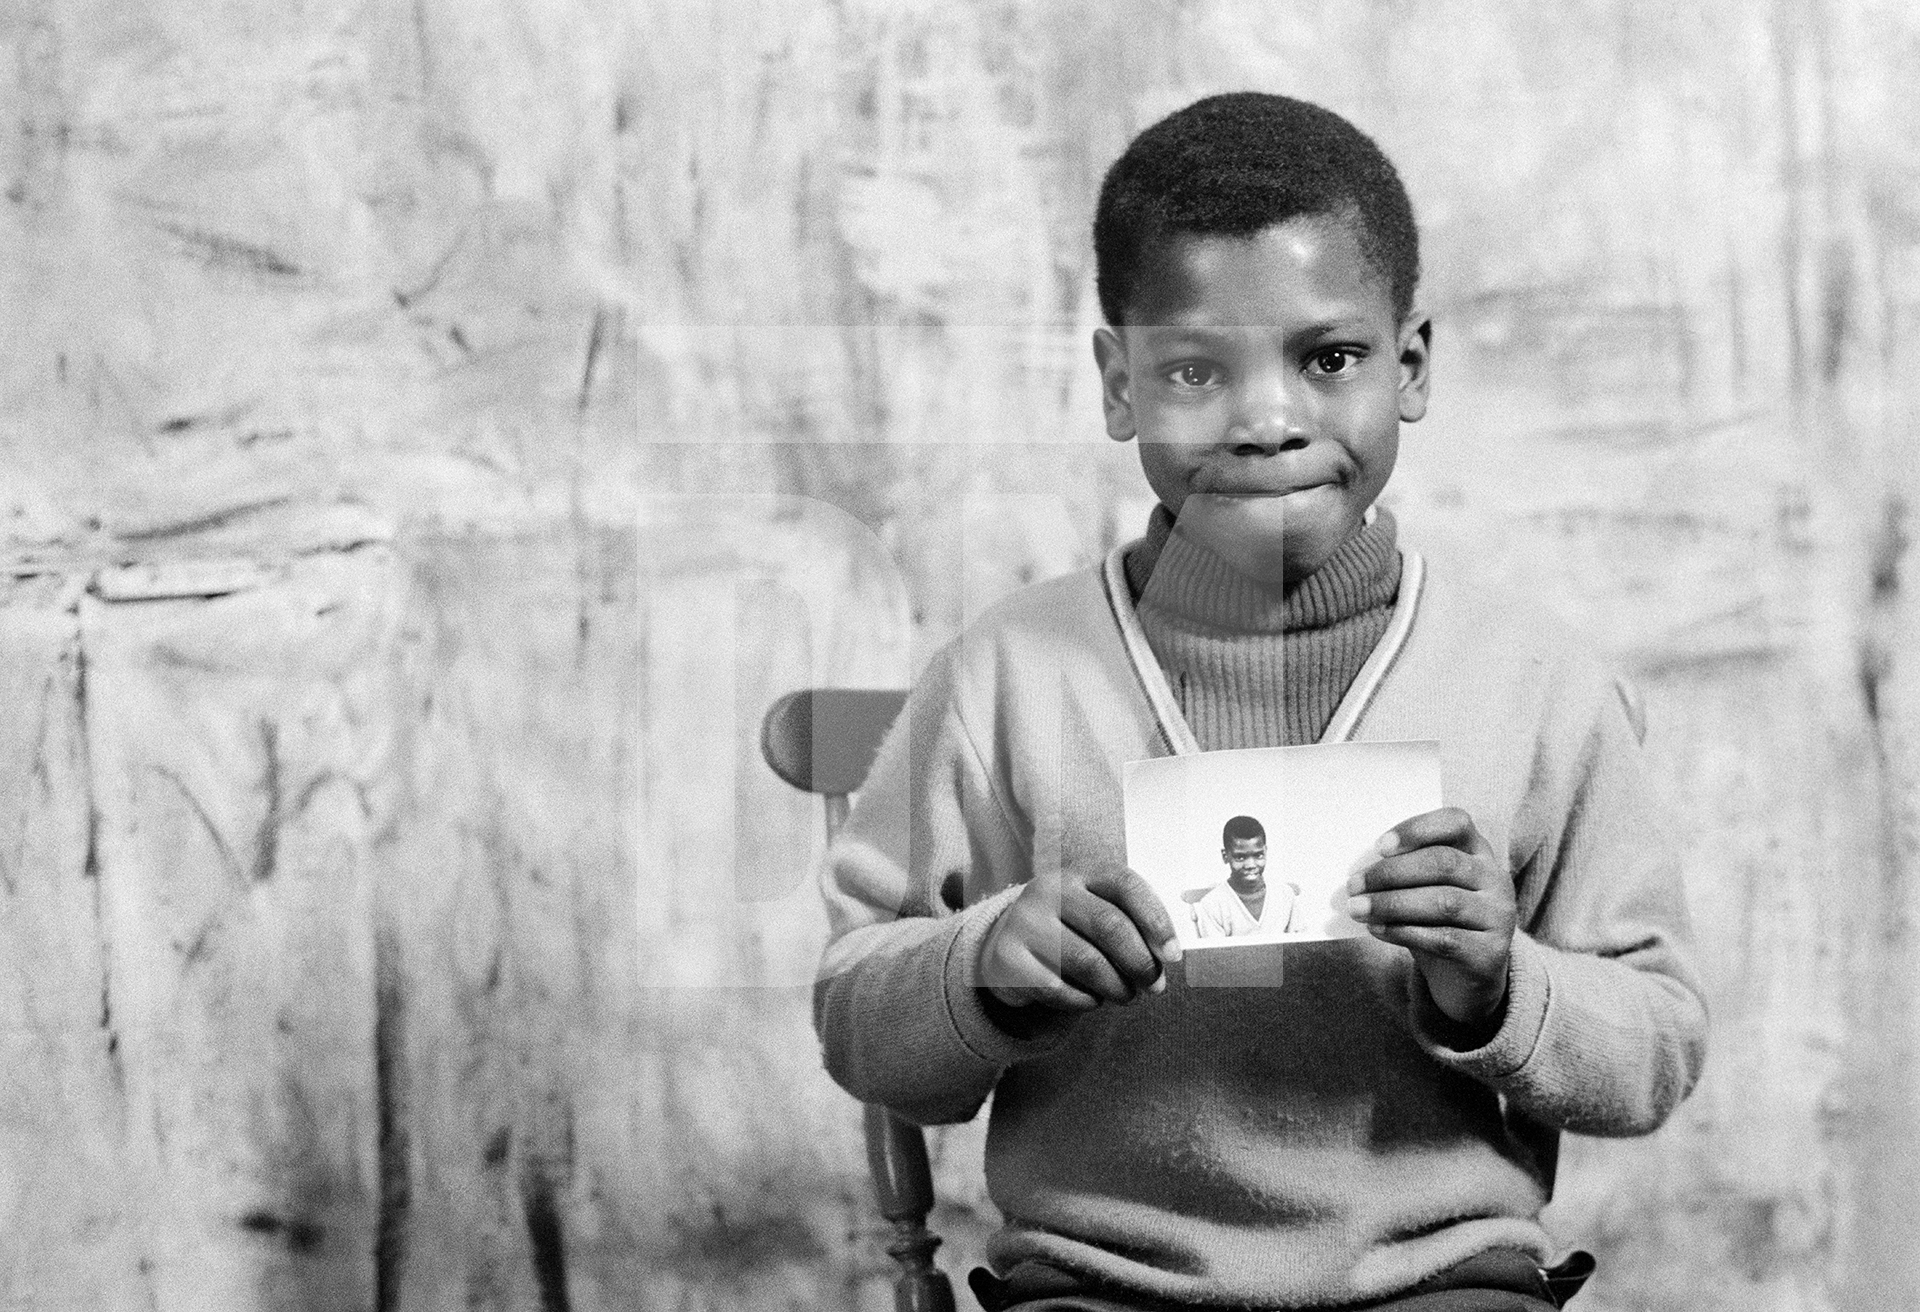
1246,860
1269,375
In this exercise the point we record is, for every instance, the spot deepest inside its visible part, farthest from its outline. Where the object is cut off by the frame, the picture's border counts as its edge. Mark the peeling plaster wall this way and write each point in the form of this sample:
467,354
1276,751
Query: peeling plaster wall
431,432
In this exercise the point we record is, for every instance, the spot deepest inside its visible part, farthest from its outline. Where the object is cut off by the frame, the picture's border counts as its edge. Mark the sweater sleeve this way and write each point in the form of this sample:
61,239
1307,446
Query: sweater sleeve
1605,1030
930,855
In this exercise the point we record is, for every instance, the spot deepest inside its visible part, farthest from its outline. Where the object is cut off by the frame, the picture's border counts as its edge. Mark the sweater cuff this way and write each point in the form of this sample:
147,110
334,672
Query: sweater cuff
1529,994
977,1030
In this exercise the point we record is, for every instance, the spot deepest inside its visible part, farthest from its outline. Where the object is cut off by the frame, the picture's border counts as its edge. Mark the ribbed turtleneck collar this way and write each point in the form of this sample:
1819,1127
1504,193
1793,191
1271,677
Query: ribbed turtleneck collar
1171,572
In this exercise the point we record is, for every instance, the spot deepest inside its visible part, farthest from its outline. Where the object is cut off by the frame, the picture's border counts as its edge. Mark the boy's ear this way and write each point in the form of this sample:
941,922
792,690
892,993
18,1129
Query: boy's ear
1416,360
1116,396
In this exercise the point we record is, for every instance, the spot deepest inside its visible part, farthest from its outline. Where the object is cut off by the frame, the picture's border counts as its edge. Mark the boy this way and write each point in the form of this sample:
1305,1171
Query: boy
1243,903
1381,1129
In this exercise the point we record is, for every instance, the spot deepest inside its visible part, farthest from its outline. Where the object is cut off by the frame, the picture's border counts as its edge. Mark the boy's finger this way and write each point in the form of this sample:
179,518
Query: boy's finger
1421,867
1130,891
1111,932
1085,967
1032,978
1448,944
1061,996
1439,906
1447,827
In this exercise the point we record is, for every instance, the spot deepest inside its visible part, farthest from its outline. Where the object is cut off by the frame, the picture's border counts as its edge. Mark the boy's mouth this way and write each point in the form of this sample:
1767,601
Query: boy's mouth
1285,492
1238,484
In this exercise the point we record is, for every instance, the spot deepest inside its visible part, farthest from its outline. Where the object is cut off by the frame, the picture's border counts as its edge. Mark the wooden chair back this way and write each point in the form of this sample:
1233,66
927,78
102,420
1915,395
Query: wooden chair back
823,740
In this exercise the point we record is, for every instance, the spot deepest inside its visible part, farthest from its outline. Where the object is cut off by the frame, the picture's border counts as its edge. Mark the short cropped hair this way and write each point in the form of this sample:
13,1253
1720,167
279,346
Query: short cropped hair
1234,164
1242,826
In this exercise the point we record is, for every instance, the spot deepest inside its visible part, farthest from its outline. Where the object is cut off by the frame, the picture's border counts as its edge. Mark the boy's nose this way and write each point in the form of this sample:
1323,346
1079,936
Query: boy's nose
1269,417
1267,439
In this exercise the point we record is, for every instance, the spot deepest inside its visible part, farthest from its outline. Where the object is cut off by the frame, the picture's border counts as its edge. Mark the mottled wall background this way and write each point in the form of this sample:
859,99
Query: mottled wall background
432,429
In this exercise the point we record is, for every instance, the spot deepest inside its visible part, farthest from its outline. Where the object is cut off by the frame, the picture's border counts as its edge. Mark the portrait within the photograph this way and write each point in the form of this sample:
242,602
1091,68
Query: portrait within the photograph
1255,846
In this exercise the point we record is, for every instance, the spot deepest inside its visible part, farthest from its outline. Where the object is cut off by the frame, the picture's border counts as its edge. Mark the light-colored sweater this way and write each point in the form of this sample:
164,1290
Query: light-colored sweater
1223,913
1223,1142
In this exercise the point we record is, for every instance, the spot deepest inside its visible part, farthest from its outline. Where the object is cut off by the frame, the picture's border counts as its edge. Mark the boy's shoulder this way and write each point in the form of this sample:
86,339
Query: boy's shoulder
1516,640
1471,604
1039,640
1069,607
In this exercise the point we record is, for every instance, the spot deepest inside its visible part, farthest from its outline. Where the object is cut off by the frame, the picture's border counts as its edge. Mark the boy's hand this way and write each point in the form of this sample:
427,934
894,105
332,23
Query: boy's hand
1436,890
1072,941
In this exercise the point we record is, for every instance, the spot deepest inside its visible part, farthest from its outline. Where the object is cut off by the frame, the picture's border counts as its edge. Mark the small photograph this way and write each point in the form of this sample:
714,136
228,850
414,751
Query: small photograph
1256,846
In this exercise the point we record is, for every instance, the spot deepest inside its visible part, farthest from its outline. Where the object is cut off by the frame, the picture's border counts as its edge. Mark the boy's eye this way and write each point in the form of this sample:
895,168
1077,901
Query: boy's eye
1335,359
1194,374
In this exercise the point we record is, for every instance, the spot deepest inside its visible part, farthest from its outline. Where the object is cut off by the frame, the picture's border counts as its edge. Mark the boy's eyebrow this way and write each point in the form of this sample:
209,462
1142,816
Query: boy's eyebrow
1228,333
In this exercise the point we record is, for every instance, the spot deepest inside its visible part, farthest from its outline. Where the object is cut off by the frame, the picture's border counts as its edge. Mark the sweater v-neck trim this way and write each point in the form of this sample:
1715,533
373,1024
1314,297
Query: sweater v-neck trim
1166,708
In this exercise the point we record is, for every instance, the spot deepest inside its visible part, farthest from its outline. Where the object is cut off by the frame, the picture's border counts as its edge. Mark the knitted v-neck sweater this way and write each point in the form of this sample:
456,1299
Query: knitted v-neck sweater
1253,666
1227,1143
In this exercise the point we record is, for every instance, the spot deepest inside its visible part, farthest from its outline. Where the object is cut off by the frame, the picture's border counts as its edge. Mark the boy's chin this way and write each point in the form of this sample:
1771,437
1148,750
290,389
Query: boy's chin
1272,540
